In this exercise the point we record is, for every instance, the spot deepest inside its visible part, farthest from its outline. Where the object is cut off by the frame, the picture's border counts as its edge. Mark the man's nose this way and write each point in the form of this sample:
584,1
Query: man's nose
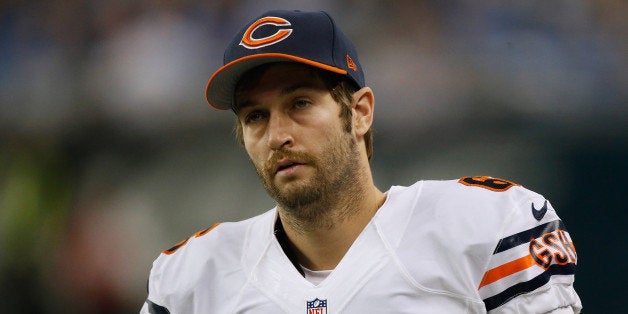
279,131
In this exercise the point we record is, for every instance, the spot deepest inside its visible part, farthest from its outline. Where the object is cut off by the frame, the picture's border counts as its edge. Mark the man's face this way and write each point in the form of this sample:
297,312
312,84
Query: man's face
294,135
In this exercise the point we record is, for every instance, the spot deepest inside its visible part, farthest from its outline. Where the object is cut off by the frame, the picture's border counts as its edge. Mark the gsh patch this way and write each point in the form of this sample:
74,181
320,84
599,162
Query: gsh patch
317,306
553,247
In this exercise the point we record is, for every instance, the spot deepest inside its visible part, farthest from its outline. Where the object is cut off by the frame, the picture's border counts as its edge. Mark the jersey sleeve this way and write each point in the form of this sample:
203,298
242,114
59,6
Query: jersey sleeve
150,307
532,267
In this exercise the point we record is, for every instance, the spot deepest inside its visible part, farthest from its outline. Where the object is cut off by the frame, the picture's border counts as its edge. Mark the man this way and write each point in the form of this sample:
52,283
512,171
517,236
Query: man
335,243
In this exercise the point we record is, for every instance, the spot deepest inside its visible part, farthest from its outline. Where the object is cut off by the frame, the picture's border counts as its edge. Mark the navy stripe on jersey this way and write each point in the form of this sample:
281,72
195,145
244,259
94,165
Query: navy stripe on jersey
528,286
154,308
525,236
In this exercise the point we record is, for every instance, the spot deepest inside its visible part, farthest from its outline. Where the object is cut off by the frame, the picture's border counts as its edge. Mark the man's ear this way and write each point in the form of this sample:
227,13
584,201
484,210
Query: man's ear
363,106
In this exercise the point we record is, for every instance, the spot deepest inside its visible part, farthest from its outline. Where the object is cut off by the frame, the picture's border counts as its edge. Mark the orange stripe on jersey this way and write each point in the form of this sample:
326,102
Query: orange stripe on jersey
175,247
507,269
204,231
183,242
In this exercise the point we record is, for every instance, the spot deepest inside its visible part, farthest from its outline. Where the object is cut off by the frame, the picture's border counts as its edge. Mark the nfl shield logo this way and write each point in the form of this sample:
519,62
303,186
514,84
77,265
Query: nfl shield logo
317,306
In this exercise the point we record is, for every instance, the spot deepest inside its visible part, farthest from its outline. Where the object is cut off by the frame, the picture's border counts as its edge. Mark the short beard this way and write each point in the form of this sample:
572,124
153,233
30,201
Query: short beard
325,198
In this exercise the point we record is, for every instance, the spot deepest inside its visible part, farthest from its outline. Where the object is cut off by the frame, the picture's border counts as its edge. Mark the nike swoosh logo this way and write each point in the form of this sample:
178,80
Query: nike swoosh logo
539,213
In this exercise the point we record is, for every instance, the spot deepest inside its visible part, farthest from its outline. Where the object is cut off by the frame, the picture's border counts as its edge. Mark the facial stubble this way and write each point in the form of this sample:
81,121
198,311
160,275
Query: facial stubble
326,196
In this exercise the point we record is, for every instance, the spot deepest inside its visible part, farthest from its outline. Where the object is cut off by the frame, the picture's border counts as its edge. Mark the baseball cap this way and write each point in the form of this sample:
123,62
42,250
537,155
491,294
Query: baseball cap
312,38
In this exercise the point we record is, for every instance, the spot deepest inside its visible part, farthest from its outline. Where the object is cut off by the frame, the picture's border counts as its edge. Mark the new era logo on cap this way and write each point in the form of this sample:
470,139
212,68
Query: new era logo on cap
311,38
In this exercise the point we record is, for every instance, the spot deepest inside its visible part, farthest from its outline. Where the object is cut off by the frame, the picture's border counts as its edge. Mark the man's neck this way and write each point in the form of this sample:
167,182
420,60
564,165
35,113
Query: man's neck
320,244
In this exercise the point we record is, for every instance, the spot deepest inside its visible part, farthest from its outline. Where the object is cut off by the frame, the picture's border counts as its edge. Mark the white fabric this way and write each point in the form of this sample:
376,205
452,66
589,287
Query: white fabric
315,276
562,310
426,251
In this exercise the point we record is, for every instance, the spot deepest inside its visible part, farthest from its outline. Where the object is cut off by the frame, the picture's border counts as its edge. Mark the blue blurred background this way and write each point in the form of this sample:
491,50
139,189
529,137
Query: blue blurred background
109,153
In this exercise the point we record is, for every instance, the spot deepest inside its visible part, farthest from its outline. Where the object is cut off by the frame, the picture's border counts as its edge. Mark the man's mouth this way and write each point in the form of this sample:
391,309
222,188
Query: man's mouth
285,165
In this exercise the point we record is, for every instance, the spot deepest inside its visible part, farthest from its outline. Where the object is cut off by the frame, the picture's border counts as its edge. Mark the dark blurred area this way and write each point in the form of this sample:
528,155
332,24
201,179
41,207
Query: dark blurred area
110,154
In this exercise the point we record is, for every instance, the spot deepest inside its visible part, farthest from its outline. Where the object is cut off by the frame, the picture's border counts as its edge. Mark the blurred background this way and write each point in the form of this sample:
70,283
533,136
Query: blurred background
110,154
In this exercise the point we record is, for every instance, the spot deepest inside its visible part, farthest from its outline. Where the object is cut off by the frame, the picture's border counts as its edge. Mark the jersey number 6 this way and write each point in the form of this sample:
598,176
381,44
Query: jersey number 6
486,182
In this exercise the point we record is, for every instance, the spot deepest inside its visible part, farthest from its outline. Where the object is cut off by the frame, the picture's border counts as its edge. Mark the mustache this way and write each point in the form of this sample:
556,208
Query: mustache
301,157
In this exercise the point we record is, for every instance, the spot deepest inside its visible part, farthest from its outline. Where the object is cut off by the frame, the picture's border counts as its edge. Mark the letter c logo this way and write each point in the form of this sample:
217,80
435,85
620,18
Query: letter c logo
251,42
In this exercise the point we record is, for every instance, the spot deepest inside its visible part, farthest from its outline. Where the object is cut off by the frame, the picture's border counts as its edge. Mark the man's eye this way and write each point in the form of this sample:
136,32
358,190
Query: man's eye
255,116
301,103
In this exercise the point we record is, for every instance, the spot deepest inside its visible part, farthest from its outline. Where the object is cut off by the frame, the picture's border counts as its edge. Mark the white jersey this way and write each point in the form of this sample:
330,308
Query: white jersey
472,245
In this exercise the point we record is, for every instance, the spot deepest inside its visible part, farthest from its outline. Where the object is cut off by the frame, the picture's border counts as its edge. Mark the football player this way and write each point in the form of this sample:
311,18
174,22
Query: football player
335,242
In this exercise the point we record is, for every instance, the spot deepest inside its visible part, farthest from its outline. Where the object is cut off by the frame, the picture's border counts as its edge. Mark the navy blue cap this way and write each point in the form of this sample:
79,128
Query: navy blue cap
311,38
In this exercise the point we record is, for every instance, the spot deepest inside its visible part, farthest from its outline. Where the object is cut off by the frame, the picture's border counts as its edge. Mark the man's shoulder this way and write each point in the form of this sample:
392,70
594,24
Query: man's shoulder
468,211
222,244
474,193
211,262
476,186
471,218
